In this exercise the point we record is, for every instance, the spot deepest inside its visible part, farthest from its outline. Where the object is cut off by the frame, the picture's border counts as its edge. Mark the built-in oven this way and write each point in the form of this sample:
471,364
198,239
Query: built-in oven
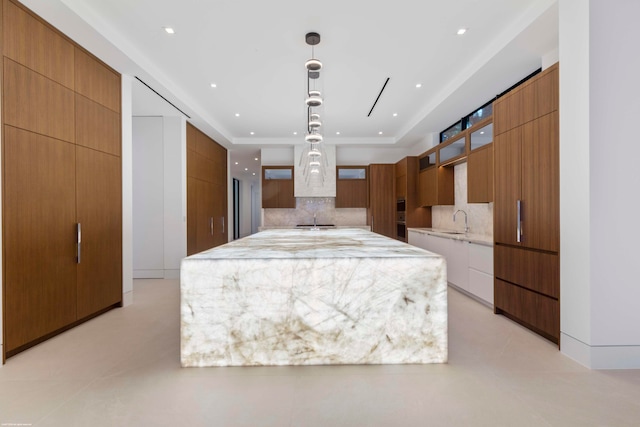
401,221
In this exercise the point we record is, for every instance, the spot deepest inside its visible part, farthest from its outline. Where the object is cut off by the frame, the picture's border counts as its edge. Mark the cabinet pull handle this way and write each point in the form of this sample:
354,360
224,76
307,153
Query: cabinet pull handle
222,225
79,242
519,221
211,225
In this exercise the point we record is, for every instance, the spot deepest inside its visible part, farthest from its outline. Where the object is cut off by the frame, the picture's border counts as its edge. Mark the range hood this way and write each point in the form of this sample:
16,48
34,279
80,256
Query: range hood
315,186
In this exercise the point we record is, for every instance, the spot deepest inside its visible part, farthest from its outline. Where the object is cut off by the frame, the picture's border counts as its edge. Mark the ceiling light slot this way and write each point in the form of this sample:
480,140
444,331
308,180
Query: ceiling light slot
380,94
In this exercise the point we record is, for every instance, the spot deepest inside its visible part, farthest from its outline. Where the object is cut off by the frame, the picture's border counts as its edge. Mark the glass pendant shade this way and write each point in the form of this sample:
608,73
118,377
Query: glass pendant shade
313,65
313,138
314,99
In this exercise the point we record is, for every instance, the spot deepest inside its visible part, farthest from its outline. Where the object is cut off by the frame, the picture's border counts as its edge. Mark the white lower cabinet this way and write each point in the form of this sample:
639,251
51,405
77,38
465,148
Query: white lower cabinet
469,265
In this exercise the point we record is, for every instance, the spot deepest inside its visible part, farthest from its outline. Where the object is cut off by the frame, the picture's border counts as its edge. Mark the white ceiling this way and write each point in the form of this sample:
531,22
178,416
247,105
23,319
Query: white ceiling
254,51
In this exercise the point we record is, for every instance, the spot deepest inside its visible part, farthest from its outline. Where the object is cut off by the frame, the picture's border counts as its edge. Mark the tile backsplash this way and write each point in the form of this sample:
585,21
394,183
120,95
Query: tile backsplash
480,215
323,207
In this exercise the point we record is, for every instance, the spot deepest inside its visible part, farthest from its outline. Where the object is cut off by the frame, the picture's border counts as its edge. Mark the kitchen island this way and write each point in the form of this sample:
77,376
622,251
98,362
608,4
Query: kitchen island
309,297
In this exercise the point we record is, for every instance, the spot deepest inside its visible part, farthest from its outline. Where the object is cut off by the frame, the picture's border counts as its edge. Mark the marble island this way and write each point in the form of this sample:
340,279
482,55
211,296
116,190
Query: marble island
303,297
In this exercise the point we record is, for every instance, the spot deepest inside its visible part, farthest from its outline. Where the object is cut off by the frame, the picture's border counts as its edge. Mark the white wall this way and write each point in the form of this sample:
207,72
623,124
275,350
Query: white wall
598,202
159,196
127,189
246,208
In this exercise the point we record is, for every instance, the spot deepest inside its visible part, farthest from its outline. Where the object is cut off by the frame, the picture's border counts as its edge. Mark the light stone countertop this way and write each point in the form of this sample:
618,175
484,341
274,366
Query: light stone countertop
293,227
479,239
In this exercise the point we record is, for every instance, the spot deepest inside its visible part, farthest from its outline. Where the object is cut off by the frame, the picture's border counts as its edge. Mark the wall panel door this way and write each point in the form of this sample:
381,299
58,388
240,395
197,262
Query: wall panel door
39,236
96,81
206,212
507,182
99,211
97,127
382,212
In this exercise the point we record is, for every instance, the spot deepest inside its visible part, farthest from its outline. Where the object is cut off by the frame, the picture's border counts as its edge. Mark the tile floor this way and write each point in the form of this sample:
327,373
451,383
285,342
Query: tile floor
123,369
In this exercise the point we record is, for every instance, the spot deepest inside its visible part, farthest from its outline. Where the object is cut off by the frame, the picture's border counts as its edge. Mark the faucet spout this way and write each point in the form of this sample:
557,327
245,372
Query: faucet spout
466,224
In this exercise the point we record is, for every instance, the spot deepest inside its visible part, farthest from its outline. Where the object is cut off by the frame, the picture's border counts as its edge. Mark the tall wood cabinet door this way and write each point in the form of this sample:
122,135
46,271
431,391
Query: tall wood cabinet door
99,211
220,226
507,164
192,215
540,184
205,211
39,199
382,199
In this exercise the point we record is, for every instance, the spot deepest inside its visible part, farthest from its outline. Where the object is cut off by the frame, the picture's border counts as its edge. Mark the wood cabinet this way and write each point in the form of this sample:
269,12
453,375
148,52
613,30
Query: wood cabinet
480,175
382,199
526,207
436,186
206,192
61,139
352,187
407,188
277,187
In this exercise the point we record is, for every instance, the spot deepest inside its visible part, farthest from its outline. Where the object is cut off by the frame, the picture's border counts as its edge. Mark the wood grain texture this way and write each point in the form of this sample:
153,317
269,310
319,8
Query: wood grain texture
192,215
507,184
352,193
99,210
382,199
97,127
220,224
541,184
415,215
538,312
96,81
480,175
537,271
38,236
192,137
35,103
205,215
34,44
278,193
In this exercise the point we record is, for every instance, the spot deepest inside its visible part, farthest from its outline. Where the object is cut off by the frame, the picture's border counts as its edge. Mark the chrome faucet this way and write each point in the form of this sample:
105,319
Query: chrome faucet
466,224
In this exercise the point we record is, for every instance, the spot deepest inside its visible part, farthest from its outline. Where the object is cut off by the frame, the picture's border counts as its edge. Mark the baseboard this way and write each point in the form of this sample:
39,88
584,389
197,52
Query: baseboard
127,298
172,274
600,357
148,274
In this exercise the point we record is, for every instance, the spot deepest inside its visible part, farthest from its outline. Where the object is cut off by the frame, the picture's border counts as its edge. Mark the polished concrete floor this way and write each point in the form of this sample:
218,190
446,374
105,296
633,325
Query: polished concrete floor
123,369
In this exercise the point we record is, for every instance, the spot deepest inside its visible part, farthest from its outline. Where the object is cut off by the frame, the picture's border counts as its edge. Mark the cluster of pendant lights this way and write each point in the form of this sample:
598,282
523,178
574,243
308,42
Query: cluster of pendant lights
312,159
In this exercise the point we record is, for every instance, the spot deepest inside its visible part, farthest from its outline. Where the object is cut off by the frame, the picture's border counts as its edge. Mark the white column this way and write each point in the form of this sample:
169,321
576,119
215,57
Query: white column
598,191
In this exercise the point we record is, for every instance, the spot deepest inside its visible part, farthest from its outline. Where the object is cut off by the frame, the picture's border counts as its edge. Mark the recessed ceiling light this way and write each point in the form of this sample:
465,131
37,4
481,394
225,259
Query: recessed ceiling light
246,169
295,133
214,85
256,159
252,133
482,133
169,30
461,31
236,163
395,114
419,85
337,133
254,174
380,133
237,114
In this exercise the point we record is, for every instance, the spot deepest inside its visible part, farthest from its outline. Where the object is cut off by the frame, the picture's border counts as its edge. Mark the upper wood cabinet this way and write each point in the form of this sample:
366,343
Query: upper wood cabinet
277,187
96,81
352,187
45,51
436,186
534,98
382,199
480,175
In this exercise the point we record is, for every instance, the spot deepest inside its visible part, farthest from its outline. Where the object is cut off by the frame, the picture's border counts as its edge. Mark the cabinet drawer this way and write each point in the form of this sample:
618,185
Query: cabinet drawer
481,285
534,270
481,258
540,313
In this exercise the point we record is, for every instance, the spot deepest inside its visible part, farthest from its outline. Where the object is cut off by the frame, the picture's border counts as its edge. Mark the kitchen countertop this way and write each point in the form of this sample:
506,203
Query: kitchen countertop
301,297
294,227
479,239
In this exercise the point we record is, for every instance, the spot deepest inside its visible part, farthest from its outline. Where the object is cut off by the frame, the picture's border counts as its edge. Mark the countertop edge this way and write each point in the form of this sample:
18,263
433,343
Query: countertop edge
471,238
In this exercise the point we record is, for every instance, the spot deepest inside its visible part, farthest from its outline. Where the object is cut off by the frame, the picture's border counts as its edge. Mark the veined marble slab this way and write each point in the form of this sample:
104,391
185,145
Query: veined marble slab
307,297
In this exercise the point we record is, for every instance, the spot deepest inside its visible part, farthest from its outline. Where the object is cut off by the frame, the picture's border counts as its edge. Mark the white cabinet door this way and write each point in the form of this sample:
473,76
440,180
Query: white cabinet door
481,271
481,258
416,239
458,263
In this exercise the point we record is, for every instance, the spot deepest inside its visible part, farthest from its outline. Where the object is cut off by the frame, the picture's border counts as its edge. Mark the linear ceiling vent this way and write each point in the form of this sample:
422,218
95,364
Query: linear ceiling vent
376,101
165,99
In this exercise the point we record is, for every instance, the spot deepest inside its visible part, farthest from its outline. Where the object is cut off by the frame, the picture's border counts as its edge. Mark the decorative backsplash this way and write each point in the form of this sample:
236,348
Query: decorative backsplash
323,207
480,215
